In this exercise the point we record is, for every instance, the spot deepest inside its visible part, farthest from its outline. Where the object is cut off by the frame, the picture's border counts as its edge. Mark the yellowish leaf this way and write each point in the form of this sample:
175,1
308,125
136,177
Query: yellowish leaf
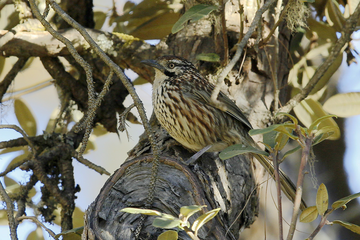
309,214
168,235
310,110
322,199
343,104
25,117
350,226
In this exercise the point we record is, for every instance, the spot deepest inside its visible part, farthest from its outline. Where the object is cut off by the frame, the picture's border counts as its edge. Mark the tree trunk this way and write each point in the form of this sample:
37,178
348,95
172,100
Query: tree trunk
231,184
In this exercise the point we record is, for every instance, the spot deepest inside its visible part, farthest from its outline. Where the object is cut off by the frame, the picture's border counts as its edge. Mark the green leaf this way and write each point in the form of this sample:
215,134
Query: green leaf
2,63
318,121
294,119
269,138
3,218
11,185
188,211
141,211
193,14
78,218
25,117
37,234
309,214
334,16
13,20
343,104
345,200
291,151
328,74
166,223
72,234
155,28
90,145
323,31
208,57
200,221
140,81
271,128
149,19
99,19
311,114
350,226
238,149
322,199
281,140
168,235
99,130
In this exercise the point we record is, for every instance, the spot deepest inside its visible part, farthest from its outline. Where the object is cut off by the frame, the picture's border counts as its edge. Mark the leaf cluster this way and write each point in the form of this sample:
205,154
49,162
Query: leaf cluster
167,221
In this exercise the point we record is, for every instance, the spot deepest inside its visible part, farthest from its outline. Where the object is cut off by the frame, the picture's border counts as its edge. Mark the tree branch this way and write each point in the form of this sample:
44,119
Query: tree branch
123,78
10,76
336,50
85,65
125,50
275,158
239,50
19,130
9,211
299,185
40,224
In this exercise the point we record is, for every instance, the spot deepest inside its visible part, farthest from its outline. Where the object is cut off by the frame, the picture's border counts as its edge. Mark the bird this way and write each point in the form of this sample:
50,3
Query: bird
182,104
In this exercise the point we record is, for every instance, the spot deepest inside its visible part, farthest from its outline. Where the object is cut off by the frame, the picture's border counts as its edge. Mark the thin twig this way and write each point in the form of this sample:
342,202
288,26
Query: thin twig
336,50
275,158
72,50
13,166
224,33
20,92
242,210
89,164
19,130
280,20
10,76
238,53
9,211
299,186
92,112
321,224
40,224
122,118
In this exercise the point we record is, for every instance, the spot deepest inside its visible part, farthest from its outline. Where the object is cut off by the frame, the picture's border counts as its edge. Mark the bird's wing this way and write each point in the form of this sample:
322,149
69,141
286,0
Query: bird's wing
231,108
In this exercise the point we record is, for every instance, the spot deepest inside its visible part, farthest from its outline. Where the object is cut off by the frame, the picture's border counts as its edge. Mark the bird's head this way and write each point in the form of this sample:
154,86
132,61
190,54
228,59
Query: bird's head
169,66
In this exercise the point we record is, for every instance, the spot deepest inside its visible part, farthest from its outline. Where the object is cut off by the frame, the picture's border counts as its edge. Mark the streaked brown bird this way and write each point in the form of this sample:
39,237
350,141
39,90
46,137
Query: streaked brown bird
182,104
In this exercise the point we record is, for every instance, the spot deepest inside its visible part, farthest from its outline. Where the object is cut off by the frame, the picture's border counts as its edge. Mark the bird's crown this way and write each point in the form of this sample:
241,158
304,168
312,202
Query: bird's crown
171,65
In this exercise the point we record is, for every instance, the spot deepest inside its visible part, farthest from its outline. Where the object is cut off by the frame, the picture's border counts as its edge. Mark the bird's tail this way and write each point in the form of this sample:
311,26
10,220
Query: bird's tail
287,186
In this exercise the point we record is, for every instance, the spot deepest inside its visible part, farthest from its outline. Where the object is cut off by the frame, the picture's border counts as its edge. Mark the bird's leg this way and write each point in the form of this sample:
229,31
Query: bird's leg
196,156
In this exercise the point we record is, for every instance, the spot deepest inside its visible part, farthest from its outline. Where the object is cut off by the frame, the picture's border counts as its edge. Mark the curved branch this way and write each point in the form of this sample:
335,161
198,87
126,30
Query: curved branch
10,212
10,76
19,130
125,50
40,224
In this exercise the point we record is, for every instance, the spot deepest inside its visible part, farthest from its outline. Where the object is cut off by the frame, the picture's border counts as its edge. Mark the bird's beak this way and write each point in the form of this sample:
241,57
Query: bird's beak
154,64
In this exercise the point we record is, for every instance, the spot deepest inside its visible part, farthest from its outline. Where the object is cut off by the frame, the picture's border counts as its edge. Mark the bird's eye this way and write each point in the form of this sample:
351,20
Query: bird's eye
171,65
